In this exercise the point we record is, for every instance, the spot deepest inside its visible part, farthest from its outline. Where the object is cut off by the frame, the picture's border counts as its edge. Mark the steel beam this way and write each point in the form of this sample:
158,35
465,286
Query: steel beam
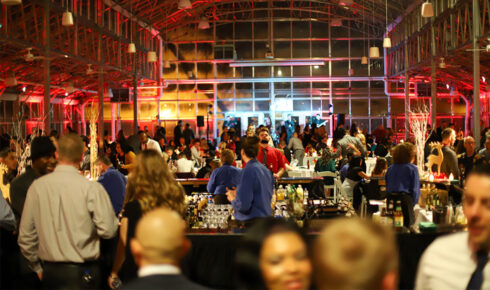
47,64
476,72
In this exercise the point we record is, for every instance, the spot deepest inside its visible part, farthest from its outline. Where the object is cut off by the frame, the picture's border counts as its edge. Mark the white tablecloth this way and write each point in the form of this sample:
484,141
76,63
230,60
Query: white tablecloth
301,172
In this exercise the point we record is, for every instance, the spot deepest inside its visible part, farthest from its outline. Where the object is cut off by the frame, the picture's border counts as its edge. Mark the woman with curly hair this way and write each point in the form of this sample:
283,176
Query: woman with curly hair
150,185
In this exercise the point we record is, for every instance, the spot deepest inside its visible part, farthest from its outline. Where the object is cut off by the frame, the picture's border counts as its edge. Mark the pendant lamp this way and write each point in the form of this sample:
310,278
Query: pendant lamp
373,52
152,56
387,42
11,2
11,81
185,4
427,10
131,48
387,39
67,19
203,24
364,60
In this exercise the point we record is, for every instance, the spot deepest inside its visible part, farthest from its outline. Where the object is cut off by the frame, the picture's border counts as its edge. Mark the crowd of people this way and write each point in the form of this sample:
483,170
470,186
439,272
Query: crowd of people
61,230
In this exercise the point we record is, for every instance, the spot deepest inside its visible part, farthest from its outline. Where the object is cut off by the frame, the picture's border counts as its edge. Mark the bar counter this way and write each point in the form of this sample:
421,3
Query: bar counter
210,261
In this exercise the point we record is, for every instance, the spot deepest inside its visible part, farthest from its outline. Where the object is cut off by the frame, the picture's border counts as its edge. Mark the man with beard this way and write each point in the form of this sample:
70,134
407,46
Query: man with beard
43,162
457,261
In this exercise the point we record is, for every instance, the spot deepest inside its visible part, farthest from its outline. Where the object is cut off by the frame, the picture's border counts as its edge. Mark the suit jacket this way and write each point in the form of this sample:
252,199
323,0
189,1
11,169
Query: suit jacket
163,282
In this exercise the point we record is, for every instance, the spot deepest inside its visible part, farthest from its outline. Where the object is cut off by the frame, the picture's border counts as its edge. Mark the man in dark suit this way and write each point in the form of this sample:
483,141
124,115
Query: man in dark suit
178,133
157,248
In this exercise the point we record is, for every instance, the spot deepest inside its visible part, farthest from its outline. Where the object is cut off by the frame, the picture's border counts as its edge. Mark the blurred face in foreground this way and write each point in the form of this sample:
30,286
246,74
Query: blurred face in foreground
284,262
476,207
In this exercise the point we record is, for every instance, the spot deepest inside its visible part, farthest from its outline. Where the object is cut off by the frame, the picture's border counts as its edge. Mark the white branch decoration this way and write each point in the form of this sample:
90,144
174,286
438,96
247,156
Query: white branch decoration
418,126
92,116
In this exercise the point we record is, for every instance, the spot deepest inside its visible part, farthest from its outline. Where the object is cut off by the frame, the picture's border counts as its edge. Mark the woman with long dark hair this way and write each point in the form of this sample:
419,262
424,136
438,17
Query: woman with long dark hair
150,185
354,175
273,255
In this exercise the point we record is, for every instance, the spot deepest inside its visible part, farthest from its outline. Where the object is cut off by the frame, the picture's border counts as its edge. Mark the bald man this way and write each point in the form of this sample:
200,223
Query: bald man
157,248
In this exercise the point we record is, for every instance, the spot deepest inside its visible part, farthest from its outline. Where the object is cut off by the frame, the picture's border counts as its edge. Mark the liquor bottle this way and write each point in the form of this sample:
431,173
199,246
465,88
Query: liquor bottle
398,216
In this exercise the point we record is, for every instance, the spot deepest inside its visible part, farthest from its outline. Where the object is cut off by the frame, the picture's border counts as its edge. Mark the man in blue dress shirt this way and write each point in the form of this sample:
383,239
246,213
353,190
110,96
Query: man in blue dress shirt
226,176
252,197
113,181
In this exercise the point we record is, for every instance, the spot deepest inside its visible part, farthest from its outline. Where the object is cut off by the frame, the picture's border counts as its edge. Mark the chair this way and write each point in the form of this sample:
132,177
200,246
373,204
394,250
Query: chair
338,185
334,176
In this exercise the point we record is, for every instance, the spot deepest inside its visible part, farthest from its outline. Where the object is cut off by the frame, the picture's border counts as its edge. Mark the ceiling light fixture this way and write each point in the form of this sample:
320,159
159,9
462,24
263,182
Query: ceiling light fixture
373,50
364,59
185,4
442,64
387,39
483,79
203,24
346,2
67,19
11,81
152,56
11,2
259,63
427,10
336,22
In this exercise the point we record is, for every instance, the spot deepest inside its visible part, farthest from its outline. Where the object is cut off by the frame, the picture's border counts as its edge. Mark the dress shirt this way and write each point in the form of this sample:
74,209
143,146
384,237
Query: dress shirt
196,154
485,153
114,182
163,269
254,193
7,218
343,170
63,217
151,144
223,177
448,263
295,144
18,190
343,146
274,158
403,178
450,162
184,165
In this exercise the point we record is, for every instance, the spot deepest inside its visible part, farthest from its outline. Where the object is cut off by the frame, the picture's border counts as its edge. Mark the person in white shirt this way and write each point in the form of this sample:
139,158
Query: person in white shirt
147,143
196,151
184,165
459,261
157,248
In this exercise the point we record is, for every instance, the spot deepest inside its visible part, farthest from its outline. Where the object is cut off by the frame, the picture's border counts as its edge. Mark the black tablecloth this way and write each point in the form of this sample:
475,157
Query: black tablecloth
210,260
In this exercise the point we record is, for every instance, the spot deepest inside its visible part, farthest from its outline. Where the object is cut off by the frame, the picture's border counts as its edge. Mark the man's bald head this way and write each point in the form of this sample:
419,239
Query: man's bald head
159,238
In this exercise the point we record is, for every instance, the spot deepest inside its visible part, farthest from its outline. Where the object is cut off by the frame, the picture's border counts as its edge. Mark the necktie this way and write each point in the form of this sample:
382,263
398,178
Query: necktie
476,280
264,157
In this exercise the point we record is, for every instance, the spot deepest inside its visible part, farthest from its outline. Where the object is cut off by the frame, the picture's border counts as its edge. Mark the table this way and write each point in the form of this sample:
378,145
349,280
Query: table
210,261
